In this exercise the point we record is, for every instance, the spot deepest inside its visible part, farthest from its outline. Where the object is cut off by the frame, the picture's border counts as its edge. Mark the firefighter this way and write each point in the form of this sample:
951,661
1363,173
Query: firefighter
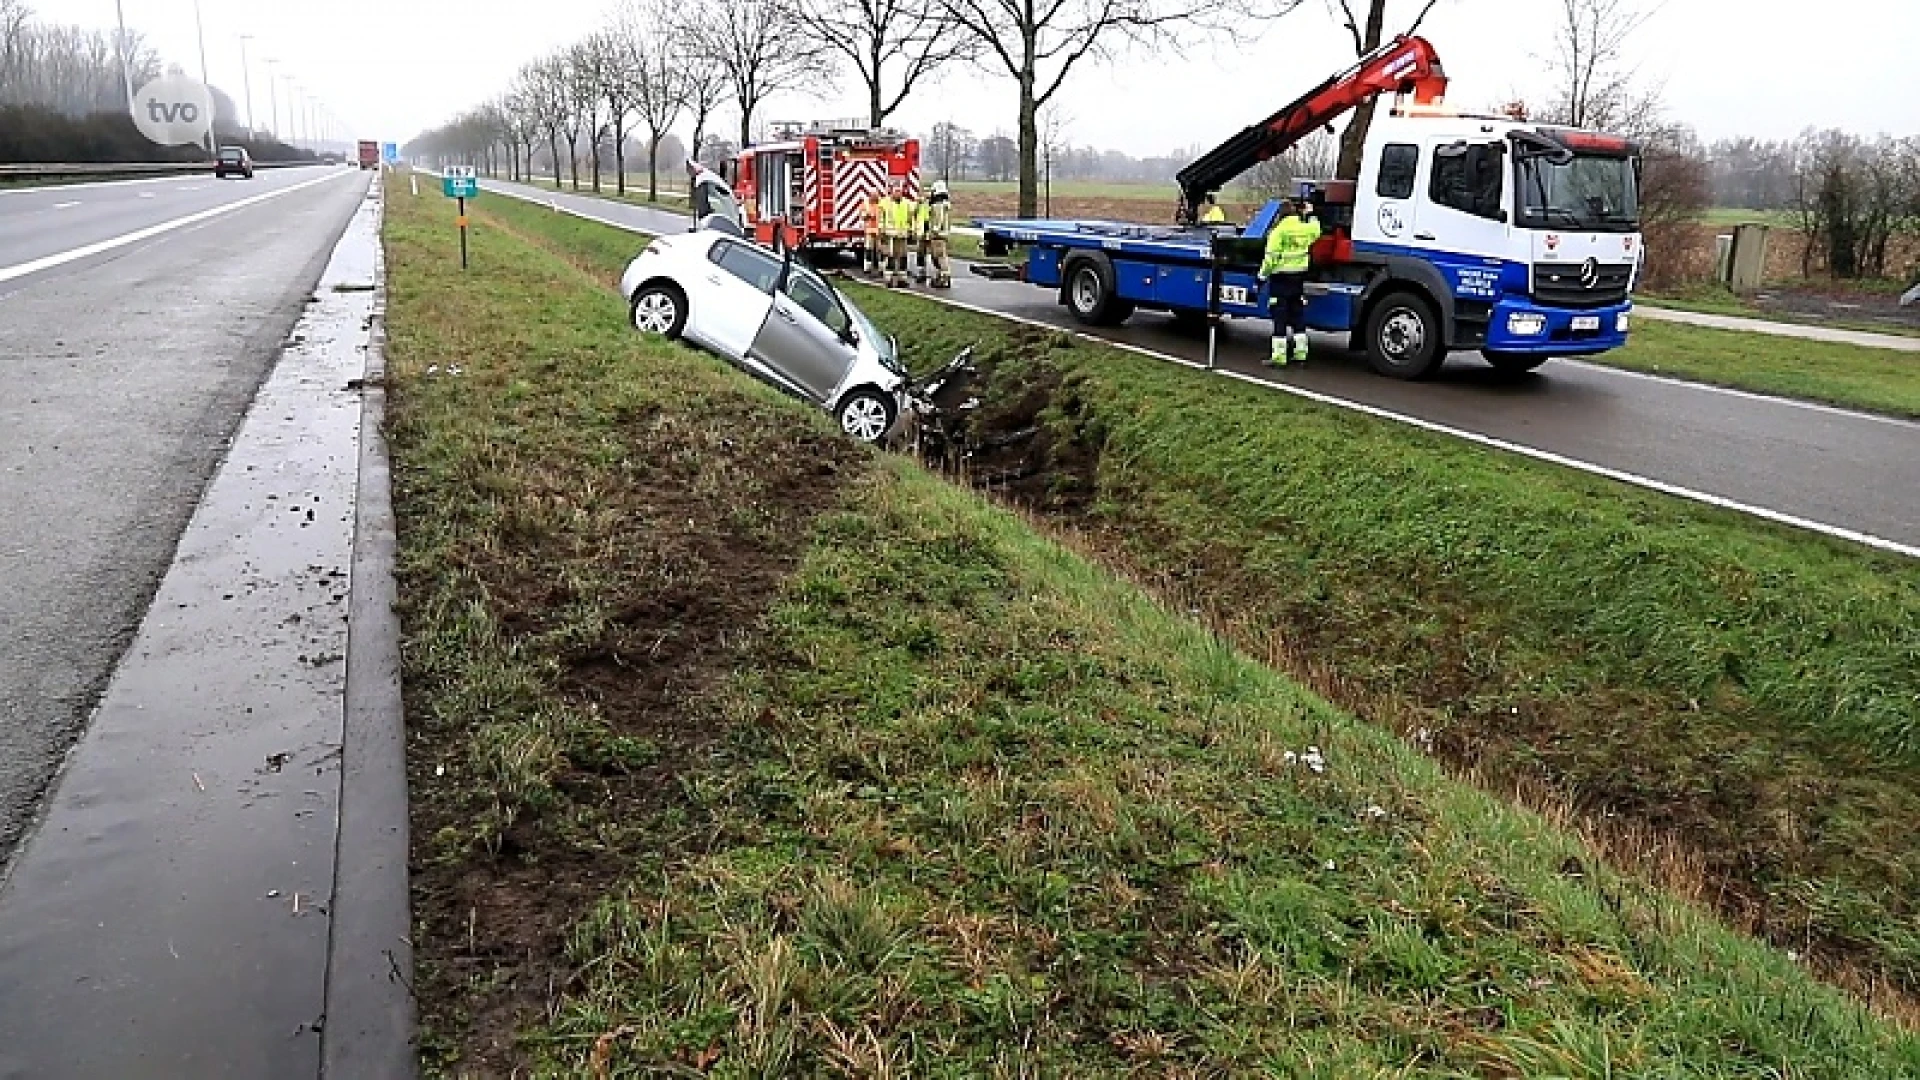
1210,212
897,216
870,221
920,241
1289,256
937,220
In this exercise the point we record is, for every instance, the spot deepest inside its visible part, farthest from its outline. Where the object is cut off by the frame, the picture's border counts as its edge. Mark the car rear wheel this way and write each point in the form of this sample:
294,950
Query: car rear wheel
1090,293
660,309
866,415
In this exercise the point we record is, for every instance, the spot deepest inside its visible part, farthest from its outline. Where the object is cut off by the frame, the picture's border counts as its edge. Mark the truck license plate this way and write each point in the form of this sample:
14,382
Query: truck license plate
1234,294
1586,322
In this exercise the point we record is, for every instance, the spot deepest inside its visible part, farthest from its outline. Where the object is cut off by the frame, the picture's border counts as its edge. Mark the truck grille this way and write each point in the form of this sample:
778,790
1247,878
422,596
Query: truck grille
1581,285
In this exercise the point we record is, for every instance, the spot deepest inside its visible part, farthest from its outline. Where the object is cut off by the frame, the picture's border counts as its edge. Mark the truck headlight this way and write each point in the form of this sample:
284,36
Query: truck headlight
1526,324
1620,322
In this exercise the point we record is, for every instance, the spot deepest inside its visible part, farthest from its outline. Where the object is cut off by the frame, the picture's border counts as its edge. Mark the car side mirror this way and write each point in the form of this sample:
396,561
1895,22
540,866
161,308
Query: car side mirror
850,336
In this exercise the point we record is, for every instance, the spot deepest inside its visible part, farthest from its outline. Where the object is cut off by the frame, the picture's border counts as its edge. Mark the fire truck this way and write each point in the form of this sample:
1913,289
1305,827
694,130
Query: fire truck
806,187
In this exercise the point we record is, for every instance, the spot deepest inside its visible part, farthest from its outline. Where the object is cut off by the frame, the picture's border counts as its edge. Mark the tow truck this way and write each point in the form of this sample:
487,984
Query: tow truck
1463,232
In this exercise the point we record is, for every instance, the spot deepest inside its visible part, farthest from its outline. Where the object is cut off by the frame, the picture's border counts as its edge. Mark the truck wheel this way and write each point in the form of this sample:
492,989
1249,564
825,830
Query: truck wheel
1512,363
1404,338
1089,293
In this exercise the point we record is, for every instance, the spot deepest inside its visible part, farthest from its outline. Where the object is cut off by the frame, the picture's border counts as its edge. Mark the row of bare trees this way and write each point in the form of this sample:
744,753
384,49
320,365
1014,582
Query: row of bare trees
66,69
660,62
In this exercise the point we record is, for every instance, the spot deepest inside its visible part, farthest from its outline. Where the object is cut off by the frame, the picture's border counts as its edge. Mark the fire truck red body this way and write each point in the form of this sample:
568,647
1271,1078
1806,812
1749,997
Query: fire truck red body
809,185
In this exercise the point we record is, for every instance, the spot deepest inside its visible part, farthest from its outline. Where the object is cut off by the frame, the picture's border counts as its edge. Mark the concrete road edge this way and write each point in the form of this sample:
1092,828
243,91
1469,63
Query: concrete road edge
369,1030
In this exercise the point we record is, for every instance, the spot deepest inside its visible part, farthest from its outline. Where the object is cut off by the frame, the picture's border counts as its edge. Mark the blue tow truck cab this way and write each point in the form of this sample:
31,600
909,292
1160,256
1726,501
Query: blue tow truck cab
1462,232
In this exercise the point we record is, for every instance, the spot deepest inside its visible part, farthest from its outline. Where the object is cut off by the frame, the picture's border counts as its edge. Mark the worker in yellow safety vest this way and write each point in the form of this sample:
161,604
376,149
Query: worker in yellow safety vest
1289,257
1210,212
897,217
870,222
936,221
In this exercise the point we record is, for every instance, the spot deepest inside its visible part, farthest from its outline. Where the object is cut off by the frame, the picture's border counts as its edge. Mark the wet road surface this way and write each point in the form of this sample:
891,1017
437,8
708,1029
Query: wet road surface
122,374
171,915
1840,471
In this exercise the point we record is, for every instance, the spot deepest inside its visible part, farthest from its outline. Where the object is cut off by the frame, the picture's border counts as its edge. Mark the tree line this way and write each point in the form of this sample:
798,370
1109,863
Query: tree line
658,66
63,97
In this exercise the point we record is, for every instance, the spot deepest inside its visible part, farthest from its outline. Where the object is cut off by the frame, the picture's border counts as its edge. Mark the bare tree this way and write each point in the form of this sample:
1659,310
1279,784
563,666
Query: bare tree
658,84
752,42
1040,42
1367,37
546,88
912,38
588,66
1596,86
1315,157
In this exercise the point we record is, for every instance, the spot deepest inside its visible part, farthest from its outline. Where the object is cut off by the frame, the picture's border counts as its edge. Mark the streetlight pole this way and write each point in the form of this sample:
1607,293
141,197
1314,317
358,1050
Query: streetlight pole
273,98
213,106
246,79
126,61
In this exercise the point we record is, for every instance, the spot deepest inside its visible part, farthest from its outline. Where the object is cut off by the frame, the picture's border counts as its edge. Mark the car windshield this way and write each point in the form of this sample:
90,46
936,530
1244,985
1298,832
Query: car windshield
714,198
1589,193
882,344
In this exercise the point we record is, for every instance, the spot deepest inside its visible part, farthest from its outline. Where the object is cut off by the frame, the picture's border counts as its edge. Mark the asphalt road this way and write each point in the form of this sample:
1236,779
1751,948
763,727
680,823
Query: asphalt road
1838,471
136,322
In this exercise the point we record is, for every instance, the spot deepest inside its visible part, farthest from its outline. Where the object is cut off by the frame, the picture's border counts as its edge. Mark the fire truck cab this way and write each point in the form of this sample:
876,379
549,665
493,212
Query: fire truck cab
806,188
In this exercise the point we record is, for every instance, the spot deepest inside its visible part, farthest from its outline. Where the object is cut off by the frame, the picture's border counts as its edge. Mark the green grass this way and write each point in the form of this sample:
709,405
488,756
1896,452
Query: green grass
953,801
1881,380
1713,299
1748,693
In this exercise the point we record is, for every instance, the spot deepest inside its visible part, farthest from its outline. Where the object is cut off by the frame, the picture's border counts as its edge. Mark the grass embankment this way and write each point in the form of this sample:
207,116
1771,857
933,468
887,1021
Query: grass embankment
1880,380
737,749
1732,706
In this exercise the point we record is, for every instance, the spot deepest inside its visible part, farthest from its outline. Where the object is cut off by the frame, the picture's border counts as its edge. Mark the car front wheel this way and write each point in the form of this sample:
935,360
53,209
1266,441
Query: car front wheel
660,309
866,415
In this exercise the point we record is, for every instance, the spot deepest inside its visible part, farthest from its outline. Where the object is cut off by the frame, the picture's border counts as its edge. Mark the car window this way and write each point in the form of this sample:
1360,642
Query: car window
749,264
1398,164
229,155
817,298
1468,178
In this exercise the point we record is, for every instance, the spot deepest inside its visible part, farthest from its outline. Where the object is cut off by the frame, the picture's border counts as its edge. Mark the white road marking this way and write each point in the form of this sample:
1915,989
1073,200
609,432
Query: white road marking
4,191
48,262
146,194
1792,403
66,205
1593,468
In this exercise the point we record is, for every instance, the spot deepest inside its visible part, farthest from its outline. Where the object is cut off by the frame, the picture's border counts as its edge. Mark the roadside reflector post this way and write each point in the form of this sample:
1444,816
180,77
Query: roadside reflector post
1213,304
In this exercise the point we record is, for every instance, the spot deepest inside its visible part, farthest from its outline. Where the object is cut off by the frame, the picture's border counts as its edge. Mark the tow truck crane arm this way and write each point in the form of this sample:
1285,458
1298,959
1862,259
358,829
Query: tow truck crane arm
1405,64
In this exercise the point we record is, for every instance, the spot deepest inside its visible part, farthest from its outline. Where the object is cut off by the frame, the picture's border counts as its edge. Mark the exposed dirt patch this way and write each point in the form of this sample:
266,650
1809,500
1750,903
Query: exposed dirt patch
1841,305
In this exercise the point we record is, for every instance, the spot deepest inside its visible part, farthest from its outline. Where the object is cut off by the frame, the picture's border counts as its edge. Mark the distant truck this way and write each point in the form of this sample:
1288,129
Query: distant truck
369,154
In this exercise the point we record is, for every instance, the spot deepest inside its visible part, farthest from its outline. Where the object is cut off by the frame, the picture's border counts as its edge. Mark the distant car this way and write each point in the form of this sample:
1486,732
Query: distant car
774,317
233,161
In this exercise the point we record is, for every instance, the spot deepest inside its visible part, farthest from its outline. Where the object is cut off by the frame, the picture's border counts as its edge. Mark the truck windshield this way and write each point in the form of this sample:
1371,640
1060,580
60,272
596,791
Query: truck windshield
1589,193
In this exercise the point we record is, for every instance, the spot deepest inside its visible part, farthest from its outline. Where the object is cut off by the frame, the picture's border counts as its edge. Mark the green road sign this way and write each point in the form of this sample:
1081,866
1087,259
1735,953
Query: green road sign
460,187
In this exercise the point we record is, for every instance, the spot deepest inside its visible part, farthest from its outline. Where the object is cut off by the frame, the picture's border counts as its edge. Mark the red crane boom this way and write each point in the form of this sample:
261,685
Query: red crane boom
1403,65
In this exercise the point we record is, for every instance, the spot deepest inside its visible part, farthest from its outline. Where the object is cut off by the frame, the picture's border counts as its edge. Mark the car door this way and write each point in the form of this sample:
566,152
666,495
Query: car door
802,340
1463,221
729,300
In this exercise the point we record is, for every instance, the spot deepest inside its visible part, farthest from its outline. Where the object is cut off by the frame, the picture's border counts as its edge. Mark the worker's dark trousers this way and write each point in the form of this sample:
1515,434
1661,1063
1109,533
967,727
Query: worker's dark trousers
1287,301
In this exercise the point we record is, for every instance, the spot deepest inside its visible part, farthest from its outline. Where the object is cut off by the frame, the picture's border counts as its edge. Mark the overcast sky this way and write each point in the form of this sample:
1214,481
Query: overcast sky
390,68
